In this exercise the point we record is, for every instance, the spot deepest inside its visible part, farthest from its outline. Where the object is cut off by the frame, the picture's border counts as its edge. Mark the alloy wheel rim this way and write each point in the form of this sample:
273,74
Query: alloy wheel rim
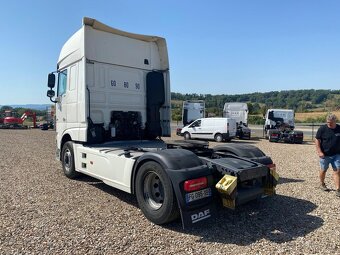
153,191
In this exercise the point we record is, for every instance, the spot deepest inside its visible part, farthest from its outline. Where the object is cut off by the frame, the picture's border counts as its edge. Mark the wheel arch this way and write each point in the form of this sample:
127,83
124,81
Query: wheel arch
66,138
217,133
187,134
170,159
244,151
241,150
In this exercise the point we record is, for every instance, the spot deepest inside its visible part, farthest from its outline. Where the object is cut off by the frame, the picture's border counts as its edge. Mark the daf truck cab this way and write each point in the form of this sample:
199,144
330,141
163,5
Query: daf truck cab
238,112
191,110
112,105
279,126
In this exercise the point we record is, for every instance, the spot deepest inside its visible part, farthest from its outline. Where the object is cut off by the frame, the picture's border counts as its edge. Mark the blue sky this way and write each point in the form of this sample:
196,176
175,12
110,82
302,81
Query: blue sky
215,47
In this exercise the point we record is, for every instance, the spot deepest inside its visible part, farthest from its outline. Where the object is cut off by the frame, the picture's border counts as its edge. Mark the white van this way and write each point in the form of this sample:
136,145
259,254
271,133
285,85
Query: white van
219,129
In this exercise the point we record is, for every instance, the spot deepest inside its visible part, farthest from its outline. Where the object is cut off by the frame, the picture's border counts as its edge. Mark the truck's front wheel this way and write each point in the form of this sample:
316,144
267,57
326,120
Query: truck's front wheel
155,194
67,160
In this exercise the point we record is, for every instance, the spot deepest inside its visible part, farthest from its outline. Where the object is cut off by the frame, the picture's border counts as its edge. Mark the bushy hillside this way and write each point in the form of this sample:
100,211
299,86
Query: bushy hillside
299,100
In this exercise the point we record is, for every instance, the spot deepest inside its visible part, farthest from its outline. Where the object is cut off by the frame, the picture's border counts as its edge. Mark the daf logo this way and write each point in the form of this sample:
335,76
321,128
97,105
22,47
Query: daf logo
200,216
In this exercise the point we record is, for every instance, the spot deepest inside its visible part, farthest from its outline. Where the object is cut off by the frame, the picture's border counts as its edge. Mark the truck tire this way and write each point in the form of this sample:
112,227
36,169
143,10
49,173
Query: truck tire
187,136
218,138
67,160
267,134
270,139
155,194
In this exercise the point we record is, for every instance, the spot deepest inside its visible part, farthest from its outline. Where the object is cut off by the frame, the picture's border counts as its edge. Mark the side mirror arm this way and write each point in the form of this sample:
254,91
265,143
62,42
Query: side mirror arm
54,101
51,94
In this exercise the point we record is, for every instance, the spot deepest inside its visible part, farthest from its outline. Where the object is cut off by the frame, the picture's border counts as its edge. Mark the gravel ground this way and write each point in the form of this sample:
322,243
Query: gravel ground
43,212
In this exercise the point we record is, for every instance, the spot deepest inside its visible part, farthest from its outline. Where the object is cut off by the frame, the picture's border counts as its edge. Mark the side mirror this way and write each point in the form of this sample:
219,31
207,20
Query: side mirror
50,93
51,80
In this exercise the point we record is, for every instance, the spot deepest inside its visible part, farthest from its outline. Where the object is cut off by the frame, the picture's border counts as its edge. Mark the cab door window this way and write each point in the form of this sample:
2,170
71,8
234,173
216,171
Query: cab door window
196,123
62,82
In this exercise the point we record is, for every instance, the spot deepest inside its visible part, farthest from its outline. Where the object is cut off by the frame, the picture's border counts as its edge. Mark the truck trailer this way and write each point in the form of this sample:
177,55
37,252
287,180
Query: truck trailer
113,107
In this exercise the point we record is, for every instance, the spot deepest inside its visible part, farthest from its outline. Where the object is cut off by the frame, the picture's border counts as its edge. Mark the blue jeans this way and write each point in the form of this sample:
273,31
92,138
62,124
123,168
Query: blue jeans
333,160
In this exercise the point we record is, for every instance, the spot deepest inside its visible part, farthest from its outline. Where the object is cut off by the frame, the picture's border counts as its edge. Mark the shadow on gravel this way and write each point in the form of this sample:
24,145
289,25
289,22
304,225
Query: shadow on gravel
125,197
278,219
251,141
283,180
291,144
89,179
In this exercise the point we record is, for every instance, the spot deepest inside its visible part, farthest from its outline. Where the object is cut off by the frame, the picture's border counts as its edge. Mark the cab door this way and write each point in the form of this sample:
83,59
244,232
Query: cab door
195,129
71,97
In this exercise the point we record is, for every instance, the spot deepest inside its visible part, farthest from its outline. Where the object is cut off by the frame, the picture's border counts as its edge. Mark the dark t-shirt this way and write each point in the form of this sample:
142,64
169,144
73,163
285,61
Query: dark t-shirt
330,139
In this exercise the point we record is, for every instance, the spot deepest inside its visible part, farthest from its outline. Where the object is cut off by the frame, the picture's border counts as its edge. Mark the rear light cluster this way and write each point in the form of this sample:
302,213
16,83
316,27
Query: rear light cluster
195,184
272,166
274,135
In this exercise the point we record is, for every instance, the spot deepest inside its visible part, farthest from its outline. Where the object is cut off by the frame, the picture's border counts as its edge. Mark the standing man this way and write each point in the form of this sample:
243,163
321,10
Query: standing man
327,141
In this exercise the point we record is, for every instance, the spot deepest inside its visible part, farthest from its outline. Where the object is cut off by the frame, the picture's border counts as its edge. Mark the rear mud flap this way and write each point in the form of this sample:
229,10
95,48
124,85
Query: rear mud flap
191,217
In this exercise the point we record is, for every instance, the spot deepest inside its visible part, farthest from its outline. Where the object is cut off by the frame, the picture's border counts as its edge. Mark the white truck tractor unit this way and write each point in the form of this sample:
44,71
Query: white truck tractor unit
192,110
279,126
113,107
238,112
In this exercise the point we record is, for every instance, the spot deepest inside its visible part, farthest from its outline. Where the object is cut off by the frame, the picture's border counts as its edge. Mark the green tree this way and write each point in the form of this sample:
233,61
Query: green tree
5,108
176,114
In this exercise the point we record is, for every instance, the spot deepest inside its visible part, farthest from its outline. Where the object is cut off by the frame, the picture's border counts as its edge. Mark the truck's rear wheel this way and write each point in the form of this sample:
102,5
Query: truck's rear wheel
187,136
266,134
155,195
67,160
218,138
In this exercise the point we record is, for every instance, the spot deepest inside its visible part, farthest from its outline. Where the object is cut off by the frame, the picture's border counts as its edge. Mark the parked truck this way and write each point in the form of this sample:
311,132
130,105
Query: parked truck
112,108
238,112
191,111
279,126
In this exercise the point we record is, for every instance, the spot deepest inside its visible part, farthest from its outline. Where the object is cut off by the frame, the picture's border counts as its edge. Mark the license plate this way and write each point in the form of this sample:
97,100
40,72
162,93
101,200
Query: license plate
196,195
